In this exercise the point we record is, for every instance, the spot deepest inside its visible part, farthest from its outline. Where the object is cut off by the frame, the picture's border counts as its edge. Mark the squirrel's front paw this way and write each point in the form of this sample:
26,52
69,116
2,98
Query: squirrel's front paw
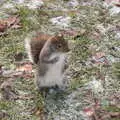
55,60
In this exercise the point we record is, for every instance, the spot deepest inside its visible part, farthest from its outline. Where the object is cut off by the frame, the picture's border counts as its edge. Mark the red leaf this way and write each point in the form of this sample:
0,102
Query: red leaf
100,58
89,111
3,26
99,55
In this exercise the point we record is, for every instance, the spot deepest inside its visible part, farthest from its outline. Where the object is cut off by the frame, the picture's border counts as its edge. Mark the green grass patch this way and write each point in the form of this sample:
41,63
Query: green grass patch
81,51
112,109
116,69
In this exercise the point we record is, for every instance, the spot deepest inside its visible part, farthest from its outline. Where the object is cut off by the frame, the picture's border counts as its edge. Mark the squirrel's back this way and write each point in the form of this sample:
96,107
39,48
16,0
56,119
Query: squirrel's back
35,44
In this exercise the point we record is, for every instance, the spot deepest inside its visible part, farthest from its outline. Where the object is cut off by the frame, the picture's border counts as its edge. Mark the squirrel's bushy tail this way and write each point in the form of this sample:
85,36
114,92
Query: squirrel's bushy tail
27,45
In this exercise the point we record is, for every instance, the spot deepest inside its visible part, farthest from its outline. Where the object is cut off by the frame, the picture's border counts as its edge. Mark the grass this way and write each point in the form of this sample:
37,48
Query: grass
80,53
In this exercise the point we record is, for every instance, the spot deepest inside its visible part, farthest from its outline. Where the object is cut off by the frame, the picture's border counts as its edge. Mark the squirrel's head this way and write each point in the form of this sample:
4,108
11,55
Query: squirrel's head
60,43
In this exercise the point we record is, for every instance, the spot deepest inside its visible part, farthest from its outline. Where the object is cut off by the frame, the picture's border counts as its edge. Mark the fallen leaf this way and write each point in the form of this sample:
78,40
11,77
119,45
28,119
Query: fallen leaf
3,26
99,55
115,114
89,111
73,33
17,74
25,68
100,75
12,20
25,97
95,36
27,76
100,58
117,4
70,32
9,22
16,26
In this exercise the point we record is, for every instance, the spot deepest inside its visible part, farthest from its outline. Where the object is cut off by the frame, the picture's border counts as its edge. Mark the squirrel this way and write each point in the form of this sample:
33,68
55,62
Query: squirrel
48,53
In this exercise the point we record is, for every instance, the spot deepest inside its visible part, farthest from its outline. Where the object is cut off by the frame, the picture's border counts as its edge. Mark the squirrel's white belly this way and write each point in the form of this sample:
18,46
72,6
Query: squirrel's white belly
54,75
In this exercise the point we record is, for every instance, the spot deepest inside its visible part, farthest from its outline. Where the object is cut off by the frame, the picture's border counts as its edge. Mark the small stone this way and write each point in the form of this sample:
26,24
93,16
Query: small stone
19,1
73,3
115,10
34,4
61,21
96,86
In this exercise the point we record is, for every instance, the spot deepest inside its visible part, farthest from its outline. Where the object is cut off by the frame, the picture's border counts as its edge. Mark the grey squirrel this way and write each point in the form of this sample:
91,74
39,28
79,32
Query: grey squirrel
48,53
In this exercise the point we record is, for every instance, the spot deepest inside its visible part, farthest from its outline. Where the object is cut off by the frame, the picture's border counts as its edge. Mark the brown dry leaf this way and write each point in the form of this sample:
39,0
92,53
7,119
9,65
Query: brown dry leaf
99,55
117,4
99,58
16,26
25,68
40,113
100,75
27,76
70,32
89,111
115,114
73,33
92,49
3,25
25,97
110,115
17,74
95,36
12,22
